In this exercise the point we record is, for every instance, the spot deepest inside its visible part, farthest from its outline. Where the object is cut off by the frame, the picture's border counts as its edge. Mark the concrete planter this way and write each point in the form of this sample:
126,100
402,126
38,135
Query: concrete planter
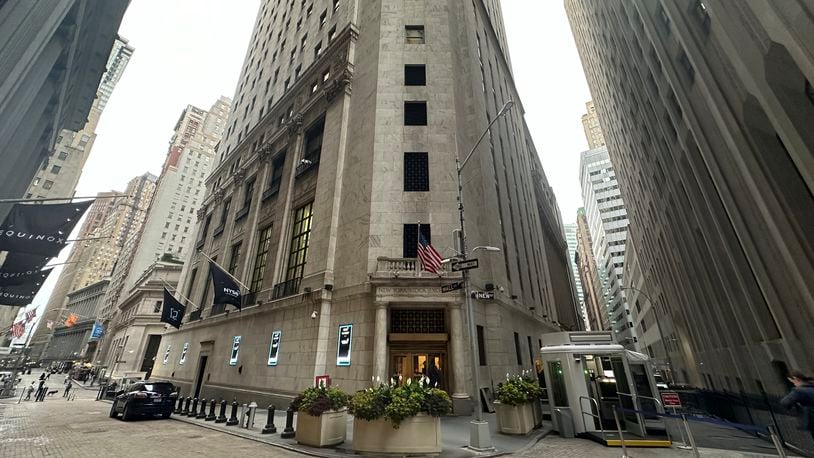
517,419
330,428
419,435
537,410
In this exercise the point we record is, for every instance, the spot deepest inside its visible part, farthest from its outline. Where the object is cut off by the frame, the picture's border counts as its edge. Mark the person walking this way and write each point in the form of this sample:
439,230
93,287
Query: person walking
67,388
801,399
29,390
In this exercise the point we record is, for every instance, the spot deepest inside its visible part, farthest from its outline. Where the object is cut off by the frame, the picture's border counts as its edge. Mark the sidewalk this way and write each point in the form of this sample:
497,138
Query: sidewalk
455,436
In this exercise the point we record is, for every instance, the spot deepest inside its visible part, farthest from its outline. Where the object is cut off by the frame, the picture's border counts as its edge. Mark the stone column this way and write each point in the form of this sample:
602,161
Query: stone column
457,354
380,342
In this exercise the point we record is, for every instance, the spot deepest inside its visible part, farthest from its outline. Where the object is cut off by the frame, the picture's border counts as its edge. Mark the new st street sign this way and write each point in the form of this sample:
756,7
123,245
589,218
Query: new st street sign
466,264
483,294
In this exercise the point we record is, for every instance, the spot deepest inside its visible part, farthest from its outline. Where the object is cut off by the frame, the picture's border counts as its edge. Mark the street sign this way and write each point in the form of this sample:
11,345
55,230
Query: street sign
466,264
483,294
670,399
452,287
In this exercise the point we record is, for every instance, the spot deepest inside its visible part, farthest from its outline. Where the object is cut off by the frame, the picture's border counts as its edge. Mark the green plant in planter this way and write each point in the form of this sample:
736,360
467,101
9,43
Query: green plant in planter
317,400
397,403
517,390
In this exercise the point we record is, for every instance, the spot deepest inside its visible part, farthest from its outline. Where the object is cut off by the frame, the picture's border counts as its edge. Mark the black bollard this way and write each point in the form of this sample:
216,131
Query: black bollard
179,405
202,412
288,432
222,415
185,410
269,428
233,417
211,415
194,410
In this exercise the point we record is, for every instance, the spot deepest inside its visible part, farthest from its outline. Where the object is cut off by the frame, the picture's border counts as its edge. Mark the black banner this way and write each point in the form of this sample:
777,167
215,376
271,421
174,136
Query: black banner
18,295
21,268
41,229
227,291
173,311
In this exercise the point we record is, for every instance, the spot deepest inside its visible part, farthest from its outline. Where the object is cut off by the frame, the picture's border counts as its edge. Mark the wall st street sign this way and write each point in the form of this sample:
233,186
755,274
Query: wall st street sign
466,264
483,294
452,287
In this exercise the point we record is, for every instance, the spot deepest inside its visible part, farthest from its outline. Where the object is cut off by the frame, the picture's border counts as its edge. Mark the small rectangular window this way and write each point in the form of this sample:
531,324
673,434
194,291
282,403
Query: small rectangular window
63,155
414,34
415,75
415,113
323,18
410,239
517,349
531,351
157,306
48,184
481,346
331,34
55,169
416,172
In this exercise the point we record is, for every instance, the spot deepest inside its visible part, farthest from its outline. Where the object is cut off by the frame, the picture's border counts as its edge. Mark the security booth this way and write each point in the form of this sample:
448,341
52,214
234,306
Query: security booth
589,376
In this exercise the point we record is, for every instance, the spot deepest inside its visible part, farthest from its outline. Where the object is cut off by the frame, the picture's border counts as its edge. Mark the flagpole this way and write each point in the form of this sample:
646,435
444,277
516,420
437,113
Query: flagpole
224,270
417,244
167,285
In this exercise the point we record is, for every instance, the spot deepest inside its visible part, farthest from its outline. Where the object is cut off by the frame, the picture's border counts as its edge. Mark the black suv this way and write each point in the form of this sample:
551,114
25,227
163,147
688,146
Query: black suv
147,397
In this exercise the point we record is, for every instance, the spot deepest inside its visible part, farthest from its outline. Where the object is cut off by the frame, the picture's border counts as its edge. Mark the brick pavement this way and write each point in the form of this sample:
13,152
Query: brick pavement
556,447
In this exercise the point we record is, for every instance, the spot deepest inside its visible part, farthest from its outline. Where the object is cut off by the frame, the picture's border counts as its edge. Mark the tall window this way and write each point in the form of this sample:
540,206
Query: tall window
415,113
206,289
260,259
192,281
277,172
481,346
300,237
416,172
410,239
207,222
531,350
313,141
224,213
234,257
248,193
517,348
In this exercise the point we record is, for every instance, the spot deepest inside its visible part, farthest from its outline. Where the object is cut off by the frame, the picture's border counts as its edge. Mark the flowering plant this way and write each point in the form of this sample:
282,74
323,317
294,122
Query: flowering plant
518,389
317,400
397,402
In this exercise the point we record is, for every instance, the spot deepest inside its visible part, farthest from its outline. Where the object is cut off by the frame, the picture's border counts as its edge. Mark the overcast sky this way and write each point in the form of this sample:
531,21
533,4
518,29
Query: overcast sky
191,52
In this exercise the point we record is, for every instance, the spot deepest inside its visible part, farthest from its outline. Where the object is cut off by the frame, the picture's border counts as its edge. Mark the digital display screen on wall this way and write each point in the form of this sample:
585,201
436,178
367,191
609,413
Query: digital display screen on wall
274,348
184,353
235,350
344,345
167,354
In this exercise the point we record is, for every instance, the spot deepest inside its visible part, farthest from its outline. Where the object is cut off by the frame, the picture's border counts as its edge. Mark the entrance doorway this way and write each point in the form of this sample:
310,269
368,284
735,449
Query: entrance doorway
148,362
407,364
201,371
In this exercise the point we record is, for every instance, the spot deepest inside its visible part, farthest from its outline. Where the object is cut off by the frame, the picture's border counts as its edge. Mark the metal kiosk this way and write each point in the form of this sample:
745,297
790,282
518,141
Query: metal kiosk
588,376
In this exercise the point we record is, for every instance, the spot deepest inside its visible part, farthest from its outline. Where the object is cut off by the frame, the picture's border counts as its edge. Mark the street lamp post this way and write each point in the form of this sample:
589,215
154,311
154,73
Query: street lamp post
658,324
479,436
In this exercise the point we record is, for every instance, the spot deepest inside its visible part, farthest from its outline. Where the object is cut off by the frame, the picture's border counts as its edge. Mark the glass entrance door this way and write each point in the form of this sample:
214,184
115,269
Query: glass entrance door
405,365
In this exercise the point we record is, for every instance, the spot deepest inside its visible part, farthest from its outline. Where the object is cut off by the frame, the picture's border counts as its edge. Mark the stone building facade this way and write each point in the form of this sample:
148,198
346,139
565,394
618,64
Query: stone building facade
707,107
341,143
69,343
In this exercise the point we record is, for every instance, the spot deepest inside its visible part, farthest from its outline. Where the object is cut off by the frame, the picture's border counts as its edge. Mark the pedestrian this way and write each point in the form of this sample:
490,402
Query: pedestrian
67,389
434,375
801,399
29,390
40,389
42,376
47,375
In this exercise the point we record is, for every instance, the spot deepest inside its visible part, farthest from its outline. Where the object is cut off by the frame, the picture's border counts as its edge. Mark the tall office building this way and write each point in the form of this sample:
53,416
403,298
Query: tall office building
340,148
60,172
110,224
53,55
591,126
571,241
707,107
593,294
607,222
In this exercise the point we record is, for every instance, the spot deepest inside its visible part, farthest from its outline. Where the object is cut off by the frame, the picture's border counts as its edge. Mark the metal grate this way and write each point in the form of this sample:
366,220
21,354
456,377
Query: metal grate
417,321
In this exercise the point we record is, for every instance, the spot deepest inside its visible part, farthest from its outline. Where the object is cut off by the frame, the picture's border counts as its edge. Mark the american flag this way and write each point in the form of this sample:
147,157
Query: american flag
30,315
429,256
18,328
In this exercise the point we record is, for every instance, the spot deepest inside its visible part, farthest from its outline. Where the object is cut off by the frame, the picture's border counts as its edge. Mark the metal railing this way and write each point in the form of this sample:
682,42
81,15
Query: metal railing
286,288
597,417
638,407
406,267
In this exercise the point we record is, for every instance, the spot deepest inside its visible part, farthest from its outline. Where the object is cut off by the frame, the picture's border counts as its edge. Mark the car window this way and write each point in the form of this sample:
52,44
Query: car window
164,388
136,387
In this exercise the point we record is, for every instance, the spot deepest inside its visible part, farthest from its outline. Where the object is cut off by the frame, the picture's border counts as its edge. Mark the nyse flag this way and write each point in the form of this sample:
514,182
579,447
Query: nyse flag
227,291
40,229
173,311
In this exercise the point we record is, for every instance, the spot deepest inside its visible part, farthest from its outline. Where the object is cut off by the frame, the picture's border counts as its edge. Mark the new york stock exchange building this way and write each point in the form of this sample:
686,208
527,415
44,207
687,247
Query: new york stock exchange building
317,204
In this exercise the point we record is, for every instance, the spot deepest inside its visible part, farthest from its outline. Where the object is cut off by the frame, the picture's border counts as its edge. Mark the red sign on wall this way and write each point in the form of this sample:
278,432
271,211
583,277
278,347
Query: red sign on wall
322,380
670,399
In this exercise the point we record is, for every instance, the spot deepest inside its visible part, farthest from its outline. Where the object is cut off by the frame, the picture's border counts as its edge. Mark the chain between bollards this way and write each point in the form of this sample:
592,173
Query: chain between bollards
289,432
269,428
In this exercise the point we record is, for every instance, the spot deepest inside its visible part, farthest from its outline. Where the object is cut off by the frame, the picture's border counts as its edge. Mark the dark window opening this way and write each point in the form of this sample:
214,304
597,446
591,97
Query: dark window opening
809,92
313,141
260,259
416,172
225,211
234,258
276,174
414,34
300,240
517,349
415,113
481,346
157,306
410,239
415,75
531,351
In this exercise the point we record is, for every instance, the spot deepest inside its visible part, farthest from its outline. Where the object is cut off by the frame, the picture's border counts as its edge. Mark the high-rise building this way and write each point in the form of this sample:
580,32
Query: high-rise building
111,222
591,126
607,222
707,107
593,295
340,148
571,240
60,172
53,55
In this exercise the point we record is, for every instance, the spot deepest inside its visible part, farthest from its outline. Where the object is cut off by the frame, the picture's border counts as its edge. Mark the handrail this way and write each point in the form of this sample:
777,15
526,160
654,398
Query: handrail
598,417
637,407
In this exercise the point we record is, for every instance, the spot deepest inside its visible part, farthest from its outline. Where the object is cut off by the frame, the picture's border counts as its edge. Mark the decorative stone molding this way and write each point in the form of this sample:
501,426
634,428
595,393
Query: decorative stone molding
264,152
219,194
294,125
340,83
238,176
201,213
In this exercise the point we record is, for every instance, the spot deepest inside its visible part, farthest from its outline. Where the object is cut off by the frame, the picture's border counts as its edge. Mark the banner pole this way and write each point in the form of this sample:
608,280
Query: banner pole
224,270
167,285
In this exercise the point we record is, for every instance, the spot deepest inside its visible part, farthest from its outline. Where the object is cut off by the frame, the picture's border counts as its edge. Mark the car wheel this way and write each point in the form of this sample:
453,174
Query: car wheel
166,414
127,415
113,413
